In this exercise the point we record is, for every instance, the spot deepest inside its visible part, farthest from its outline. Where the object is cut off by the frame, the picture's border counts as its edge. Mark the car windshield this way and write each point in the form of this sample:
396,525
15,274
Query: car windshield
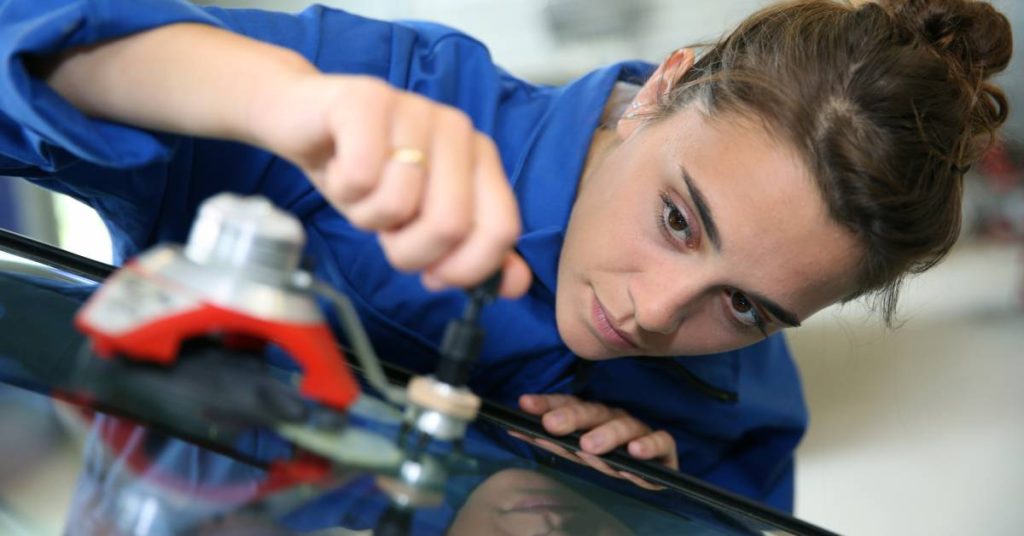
205,446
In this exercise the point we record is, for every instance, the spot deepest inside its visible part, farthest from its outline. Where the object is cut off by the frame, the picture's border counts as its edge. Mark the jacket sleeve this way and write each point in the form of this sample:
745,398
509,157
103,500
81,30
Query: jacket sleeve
41,130
122,172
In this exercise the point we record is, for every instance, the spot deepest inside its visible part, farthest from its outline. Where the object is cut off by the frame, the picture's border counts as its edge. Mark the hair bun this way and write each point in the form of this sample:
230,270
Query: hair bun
973,35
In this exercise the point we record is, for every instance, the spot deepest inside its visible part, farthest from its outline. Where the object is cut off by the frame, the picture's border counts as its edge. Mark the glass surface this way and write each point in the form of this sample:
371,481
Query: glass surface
220,443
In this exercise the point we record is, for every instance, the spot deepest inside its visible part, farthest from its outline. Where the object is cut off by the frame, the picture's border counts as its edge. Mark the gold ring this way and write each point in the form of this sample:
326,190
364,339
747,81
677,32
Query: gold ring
409,155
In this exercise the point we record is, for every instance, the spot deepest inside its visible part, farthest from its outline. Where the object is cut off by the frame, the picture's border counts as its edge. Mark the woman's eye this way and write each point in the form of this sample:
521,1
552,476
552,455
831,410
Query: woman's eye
744,310
674,221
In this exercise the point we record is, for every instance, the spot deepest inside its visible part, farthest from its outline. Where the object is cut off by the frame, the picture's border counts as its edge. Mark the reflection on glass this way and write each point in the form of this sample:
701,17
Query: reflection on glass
517,502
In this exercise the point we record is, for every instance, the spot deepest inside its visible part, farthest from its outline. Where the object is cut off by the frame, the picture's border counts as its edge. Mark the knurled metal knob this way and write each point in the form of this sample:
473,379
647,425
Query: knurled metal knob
247,234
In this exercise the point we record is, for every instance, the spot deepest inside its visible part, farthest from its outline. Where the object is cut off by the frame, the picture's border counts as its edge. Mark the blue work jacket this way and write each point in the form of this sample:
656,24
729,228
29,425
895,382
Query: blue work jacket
736,416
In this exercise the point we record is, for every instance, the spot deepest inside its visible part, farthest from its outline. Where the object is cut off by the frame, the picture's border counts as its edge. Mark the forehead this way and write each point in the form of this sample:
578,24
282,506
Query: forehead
777,236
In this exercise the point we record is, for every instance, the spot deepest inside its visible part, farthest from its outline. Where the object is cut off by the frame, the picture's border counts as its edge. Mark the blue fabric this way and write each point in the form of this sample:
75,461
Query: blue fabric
148,186
10,216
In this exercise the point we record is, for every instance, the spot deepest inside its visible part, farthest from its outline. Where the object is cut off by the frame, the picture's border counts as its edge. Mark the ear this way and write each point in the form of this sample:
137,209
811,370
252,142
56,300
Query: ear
657,88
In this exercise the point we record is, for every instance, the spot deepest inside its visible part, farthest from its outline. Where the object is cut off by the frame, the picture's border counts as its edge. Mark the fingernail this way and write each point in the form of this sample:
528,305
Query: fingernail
595,441
637,449
557,419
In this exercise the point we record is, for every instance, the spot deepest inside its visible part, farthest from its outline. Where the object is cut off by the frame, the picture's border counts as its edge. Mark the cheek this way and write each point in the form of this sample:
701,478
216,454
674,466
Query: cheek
706,326
620,231
707,334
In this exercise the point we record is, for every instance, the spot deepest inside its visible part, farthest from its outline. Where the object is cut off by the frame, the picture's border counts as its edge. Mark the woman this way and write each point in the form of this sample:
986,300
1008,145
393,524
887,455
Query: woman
813,156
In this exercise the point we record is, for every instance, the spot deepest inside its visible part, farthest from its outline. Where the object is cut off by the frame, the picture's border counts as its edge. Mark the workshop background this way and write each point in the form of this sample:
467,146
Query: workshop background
914,431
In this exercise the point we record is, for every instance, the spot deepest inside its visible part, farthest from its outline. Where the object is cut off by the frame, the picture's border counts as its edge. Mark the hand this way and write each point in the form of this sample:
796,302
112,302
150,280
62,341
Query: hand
413,170
607,429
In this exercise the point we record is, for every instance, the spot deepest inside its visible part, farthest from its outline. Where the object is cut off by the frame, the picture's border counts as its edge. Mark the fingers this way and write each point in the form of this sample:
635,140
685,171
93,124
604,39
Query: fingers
361,141
659,446
397,196
540,404
612,434
451,213
494,223
607,428
446,212
410,168
564,414
515,276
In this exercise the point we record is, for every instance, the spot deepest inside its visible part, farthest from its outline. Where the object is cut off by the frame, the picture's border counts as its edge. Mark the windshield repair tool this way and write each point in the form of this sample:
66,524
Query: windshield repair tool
440,406
236,279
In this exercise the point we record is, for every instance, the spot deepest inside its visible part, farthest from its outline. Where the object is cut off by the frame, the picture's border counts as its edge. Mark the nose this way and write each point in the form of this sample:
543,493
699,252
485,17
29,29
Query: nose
663,300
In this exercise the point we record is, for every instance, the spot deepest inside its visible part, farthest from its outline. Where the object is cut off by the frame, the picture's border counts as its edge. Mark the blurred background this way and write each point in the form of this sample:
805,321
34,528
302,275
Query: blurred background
916,430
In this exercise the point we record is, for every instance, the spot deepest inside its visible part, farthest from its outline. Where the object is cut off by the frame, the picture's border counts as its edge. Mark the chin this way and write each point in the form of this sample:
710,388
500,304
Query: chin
591,356
576,340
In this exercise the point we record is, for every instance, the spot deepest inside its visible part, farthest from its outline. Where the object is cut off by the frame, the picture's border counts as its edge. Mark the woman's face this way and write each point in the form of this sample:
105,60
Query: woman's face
692,235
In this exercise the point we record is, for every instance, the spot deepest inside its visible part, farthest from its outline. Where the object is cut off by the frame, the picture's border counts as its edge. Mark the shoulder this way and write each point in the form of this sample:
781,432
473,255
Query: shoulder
340,41
434,34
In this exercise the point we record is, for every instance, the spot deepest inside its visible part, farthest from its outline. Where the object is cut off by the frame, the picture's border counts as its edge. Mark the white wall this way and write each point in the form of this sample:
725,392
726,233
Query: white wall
920,430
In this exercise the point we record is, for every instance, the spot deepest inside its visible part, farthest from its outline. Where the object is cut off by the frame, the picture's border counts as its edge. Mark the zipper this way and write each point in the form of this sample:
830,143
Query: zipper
583,370
680,372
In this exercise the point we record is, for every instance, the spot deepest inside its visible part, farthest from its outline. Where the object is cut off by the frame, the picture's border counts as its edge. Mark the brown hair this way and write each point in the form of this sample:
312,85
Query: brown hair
888,102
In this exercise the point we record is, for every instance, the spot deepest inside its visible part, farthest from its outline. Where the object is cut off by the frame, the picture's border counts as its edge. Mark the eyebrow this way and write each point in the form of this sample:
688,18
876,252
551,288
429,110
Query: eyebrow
775,309
704,212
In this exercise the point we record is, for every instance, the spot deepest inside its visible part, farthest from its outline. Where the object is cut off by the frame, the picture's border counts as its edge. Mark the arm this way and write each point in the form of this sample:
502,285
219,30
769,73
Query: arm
185,78
449,212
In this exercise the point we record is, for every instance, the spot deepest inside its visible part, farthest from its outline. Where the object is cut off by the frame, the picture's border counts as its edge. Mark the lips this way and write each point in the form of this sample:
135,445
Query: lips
608,333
